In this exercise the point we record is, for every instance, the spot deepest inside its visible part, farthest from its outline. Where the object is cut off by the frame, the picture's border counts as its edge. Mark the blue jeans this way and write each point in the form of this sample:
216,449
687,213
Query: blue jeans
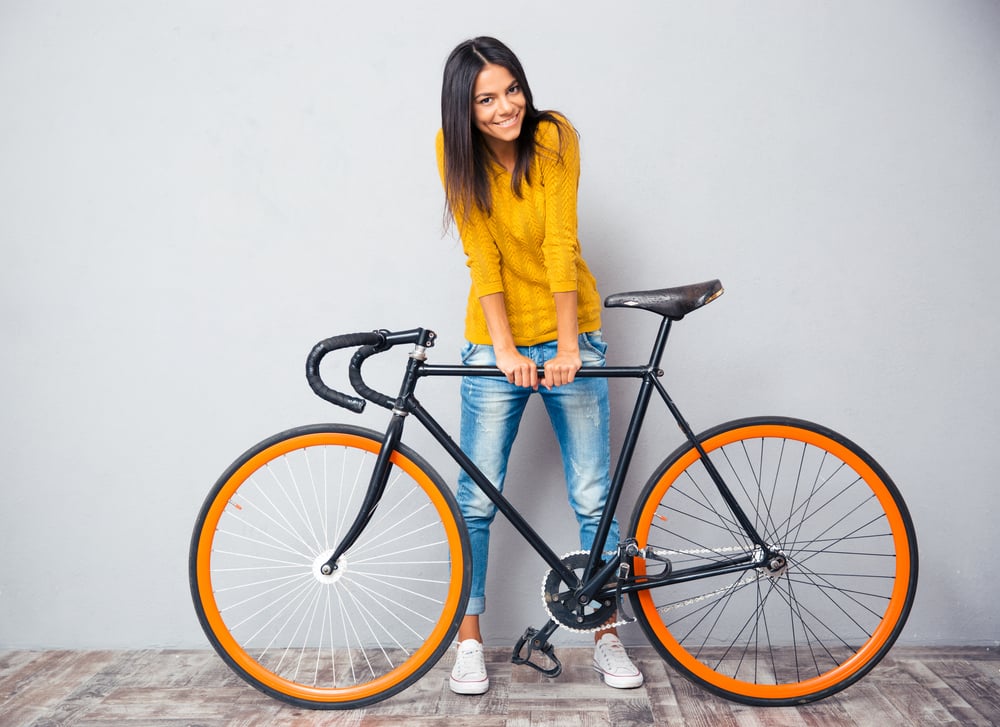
491,412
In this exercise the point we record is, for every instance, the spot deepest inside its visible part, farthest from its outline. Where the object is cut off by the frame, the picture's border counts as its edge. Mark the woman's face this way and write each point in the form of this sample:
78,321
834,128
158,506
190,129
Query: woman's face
497,104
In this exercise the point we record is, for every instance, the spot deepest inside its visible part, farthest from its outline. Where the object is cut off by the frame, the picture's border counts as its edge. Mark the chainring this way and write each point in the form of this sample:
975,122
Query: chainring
559,603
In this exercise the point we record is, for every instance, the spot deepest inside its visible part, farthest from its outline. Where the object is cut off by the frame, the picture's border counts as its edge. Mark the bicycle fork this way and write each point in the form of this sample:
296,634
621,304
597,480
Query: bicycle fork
393,435
376,488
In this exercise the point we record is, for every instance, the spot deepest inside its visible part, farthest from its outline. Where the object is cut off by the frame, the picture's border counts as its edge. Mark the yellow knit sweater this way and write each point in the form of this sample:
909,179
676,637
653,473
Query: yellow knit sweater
528,248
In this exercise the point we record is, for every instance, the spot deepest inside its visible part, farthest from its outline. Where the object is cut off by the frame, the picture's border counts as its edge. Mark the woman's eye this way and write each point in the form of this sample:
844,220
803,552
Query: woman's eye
484,101
514,89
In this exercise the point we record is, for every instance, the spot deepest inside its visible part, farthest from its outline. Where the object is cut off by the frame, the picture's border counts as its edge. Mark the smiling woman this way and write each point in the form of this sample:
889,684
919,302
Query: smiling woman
510,175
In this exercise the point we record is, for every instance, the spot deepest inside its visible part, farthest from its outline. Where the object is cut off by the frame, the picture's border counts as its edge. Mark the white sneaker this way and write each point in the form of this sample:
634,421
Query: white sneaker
468,676
612,662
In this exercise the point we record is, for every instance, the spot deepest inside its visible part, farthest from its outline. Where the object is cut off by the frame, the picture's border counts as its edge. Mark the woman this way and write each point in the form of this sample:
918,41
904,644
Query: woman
510,174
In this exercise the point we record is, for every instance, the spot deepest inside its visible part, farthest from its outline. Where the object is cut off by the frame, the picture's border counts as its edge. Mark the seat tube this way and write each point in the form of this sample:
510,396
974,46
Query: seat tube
629,445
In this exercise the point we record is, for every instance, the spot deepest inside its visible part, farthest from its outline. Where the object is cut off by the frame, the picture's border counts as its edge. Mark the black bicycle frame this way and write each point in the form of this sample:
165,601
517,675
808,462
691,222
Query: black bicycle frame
596,573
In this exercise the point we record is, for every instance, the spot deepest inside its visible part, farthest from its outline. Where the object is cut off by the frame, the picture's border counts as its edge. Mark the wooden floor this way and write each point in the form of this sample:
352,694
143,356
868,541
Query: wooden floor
194,688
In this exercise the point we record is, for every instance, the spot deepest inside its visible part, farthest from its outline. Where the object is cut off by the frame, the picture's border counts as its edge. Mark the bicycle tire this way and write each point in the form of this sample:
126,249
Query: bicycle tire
362,634
802,634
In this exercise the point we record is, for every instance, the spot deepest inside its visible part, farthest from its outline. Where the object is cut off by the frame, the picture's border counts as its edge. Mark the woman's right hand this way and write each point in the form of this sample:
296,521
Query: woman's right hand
520,370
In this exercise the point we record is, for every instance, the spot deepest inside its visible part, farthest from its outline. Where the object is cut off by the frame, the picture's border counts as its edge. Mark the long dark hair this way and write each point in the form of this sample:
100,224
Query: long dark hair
466,156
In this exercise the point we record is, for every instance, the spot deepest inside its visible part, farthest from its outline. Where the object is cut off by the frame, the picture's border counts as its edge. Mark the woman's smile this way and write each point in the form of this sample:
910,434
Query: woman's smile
507,122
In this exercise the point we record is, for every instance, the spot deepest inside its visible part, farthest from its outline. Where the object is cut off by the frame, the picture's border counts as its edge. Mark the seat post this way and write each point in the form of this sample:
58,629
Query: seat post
661,343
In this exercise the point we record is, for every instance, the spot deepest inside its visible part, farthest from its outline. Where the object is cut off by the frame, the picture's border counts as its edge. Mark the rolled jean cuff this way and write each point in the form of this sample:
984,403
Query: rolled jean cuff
476,607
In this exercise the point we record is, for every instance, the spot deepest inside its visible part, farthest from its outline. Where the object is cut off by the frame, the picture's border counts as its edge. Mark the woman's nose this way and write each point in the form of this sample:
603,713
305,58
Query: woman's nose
504,106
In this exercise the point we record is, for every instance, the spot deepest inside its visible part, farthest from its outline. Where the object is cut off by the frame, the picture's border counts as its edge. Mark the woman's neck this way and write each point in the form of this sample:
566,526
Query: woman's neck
505,152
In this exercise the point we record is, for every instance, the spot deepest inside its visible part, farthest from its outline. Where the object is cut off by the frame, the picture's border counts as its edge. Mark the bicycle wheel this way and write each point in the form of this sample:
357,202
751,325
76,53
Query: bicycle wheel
374,626
805,631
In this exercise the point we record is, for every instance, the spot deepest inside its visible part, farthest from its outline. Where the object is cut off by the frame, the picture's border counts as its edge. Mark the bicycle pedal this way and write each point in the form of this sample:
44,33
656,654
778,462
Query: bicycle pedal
533,642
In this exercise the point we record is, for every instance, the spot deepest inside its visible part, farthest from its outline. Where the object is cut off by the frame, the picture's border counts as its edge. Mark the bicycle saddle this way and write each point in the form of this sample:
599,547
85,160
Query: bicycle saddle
674,303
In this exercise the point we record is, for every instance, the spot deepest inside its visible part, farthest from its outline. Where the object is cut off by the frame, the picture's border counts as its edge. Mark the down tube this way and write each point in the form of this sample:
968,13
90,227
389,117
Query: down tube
515,517
625,457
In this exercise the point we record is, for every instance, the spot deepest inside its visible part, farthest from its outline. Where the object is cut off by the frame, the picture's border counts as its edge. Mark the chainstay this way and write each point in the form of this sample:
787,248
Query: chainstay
750,578
667,607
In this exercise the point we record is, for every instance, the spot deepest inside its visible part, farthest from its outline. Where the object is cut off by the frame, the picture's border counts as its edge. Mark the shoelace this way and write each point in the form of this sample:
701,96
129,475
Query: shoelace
469,661
614,658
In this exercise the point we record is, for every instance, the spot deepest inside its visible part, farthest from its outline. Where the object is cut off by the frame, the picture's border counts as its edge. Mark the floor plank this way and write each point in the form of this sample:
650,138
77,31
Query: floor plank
170,688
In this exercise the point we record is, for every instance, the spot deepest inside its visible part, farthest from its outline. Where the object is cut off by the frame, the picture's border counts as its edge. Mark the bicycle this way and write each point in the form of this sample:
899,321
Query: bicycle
769,559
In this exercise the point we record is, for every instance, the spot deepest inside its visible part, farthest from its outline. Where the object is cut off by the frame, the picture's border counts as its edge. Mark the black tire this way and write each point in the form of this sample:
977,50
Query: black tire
796,635
346,640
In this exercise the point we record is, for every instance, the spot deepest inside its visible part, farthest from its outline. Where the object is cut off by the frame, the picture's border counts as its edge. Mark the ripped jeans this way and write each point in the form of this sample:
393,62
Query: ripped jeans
491,413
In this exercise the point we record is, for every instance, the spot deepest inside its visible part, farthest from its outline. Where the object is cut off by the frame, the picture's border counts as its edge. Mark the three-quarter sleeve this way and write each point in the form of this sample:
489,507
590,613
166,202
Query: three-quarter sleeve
559,167
482,255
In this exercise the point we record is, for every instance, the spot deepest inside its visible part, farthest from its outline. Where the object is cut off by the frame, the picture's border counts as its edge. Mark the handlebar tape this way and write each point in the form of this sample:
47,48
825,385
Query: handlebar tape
354,374
372,342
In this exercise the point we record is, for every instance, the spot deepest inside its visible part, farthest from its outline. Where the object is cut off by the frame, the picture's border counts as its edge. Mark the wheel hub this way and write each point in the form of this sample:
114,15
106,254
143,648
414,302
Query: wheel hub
320,562
776,566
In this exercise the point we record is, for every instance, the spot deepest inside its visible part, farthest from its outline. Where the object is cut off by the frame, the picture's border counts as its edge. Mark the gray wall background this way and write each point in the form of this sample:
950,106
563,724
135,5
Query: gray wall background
193,193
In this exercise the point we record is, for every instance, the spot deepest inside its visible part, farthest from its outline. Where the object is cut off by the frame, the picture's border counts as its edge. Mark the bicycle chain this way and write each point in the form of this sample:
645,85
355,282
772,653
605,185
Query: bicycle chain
670,606
705,596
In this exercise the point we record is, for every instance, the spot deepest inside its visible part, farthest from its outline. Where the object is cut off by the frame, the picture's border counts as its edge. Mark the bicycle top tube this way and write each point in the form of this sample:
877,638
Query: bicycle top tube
670,303
595,372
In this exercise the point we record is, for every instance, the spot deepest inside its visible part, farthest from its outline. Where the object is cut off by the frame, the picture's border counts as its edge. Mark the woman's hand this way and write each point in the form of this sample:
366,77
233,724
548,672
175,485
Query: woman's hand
561,369
520,370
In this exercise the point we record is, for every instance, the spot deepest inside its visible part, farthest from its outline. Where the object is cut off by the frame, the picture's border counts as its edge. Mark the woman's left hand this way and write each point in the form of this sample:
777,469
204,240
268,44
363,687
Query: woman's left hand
561,369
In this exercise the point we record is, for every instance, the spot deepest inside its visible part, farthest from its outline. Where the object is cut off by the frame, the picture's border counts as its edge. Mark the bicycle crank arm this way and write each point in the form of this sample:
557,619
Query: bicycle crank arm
538,640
